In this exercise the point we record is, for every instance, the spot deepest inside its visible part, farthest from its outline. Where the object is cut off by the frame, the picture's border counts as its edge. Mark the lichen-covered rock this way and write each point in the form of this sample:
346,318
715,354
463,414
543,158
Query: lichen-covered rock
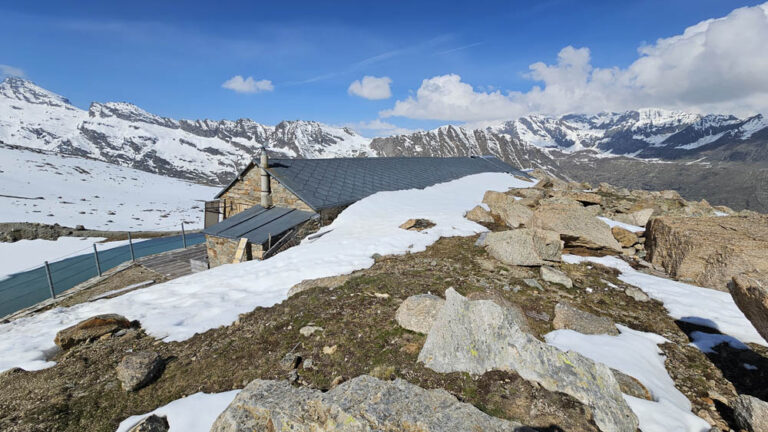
709,251
479,336
138,369
360,404
417,313
576,225
512,213
90,329
751,413
153,423
524,246
479,214
569,317
750,292
555,276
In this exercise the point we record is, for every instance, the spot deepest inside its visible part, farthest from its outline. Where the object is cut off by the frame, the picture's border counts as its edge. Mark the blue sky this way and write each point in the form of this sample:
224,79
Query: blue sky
171,58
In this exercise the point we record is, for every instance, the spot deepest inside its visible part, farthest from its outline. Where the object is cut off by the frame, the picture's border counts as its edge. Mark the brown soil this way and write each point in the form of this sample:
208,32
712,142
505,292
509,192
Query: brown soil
82,392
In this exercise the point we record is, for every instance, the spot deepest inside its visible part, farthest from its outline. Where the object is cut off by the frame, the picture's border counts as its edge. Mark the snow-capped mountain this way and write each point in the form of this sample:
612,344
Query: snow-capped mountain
124,134
646,133
213,151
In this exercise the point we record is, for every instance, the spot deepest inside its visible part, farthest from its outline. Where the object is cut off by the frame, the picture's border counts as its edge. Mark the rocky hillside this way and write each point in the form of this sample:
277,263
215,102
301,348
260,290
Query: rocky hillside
579,309
120,133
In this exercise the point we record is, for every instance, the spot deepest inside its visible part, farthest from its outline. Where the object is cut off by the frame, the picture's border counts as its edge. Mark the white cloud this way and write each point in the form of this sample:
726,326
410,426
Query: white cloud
371,87
717,65
247,85
6,70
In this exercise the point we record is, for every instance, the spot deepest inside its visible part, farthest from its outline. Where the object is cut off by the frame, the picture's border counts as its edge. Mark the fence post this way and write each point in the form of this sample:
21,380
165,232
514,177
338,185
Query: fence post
130,246
96,256
183,236
50,279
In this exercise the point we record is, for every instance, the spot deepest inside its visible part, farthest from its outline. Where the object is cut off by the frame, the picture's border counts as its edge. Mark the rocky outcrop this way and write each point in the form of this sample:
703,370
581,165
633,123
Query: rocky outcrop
751,413
508,210
750,292
524,246
709,251
361,404
577,226
569,317
138,369
90,329
417,313
480,336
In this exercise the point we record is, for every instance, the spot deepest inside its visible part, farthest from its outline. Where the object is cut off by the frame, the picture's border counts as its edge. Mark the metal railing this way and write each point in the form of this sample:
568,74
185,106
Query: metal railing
33,285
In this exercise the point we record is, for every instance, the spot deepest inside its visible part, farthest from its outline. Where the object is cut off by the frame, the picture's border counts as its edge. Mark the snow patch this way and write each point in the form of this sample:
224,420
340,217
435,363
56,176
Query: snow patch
194,413
636,354
690,303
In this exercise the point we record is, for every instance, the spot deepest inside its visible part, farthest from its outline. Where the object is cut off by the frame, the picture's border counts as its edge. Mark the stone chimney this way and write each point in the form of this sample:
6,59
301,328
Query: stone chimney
266,191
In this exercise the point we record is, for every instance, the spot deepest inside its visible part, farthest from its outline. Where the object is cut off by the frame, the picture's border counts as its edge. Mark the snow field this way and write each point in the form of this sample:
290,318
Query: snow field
178,309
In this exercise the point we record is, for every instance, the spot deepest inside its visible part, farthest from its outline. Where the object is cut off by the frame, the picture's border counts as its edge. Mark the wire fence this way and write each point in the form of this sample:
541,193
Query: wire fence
53,277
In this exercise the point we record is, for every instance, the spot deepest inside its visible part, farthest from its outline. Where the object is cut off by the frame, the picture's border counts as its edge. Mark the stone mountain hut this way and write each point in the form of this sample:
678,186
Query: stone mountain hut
274,203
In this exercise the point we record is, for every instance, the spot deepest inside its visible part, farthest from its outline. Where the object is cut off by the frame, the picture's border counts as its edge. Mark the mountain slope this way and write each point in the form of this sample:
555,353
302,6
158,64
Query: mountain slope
48,187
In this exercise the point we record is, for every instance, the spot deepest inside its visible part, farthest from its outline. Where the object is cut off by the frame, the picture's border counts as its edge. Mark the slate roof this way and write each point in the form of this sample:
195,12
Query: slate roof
257,223
328,183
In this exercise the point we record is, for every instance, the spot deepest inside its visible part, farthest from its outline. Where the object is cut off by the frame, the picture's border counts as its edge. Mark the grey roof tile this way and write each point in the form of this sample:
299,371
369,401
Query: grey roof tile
326,183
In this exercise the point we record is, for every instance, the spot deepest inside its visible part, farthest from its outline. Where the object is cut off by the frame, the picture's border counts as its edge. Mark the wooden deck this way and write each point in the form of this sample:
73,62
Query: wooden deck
175,263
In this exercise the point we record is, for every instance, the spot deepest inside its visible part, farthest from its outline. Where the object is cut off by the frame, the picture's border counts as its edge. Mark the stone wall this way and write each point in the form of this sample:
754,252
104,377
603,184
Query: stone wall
246,193
222,250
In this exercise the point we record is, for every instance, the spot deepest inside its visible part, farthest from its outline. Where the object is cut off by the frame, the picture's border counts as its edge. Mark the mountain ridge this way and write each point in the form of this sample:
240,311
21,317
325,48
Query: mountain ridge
655,145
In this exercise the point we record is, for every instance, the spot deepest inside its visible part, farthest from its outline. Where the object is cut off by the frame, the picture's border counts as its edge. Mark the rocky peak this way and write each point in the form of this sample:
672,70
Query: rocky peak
129,112
27,91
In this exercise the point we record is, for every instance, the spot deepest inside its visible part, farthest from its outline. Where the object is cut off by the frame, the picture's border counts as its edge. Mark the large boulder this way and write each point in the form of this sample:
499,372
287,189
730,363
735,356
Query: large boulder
418,312
576,225
508,209
750,292
480,336
524,246
360,404
90,329
138,369
569,317
708,251
751,413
